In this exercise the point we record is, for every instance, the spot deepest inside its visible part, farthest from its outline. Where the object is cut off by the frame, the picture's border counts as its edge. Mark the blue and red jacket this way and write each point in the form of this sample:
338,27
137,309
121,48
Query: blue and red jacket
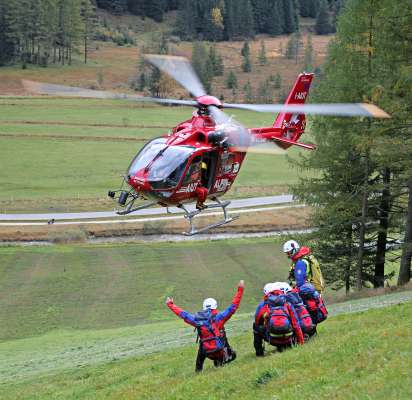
300,268
219,319
263,311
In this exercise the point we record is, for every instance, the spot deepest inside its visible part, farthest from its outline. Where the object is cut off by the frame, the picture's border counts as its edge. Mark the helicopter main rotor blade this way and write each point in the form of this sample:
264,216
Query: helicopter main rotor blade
71,91
333,109
180,69
236,133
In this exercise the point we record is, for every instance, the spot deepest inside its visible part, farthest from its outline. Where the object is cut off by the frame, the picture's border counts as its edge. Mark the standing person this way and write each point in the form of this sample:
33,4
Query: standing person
209,322
305,267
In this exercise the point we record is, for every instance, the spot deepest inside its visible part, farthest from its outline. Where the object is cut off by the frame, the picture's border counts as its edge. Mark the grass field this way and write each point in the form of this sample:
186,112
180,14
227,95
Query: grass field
56,150
353,357
102,286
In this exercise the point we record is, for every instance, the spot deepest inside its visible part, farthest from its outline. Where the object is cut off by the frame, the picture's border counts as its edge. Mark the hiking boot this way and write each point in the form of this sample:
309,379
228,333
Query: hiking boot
217,363
260,353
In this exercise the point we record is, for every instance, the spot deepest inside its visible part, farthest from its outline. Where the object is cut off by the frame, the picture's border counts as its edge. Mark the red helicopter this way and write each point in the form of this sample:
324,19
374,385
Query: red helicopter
203,155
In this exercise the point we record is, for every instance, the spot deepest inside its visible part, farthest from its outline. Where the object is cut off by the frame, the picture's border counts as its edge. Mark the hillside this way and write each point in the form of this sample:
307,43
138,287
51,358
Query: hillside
353,357
113,67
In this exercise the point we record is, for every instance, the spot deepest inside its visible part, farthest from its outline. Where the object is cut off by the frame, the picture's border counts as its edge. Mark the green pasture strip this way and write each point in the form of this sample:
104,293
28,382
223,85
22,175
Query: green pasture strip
78,132
64,168
109,111
107,286
355,356
35,168
56,167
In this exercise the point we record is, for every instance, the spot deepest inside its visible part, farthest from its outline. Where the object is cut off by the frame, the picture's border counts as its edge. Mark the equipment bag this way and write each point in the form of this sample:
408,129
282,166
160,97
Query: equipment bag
305,320
313,302
317,277
210,337
279,320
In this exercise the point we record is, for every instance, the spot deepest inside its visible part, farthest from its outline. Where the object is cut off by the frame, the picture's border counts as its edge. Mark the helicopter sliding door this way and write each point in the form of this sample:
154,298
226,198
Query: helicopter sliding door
209,161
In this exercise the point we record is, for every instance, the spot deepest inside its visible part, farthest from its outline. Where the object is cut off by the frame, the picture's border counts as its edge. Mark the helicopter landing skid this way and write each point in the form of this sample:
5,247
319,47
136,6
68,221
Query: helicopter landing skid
190,215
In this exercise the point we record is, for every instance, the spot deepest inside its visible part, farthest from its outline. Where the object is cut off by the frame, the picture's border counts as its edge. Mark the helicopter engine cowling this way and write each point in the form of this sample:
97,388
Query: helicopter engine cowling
217,138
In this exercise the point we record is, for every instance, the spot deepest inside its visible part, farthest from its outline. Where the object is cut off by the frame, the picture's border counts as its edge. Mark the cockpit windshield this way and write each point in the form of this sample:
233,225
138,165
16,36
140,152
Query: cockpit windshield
162,165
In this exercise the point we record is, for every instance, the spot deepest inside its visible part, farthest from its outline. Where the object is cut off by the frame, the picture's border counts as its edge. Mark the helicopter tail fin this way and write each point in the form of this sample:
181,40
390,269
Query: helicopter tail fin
292,125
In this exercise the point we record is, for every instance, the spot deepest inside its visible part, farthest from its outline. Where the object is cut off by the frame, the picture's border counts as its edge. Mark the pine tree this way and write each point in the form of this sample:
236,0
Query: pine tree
199,61
88,13
308,57
289,15
262,54
361,181
247,89
274,25
216,61
322,25
264,92
231,80
278,81
245,52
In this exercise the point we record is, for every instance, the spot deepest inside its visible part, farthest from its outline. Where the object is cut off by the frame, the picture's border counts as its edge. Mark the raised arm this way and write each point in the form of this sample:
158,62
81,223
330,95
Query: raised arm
226,314
187,317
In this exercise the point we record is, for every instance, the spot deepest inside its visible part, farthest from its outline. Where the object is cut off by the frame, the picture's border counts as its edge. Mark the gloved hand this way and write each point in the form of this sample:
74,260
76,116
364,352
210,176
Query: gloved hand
169,300
241,283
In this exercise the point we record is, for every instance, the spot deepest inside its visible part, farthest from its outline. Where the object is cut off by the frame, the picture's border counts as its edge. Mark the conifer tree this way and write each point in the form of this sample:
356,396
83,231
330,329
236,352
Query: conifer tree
308,57
322,25
278,81
245,52
231,80
361,183
262,54
247,90
199,63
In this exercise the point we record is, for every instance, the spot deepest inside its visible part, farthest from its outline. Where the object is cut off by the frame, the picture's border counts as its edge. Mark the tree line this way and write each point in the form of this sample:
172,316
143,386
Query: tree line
361,185
215,20
44,31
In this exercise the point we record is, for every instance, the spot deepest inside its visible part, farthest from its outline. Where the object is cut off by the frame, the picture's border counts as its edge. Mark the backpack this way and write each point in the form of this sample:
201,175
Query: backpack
278,324
209,335
313,302
305,320
317,277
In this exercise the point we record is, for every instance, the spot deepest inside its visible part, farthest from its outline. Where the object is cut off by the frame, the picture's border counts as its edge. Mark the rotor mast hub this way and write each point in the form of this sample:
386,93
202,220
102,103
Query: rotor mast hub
207,100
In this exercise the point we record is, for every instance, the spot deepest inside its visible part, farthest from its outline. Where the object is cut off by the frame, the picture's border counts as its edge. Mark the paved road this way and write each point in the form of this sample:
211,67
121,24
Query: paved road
239,203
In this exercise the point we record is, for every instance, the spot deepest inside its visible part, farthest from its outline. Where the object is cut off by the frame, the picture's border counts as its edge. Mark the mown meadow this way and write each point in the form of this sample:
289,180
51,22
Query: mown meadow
357,356
89,321
59,150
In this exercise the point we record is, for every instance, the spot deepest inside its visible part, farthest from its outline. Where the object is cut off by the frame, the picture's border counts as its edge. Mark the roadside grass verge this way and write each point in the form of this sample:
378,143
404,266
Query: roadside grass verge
355,356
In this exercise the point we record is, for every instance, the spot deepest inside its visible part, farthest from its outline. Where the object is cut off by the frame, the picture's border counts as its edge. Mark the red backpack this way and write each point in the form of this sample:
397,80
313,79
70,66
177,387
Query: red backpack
313,302
279,324
305,320
209,334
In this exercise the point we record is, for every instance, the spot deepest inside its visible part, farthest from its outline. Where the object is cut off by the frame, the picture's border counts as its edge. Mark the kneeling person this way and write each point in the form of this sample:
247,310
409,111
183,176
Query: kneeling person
276,321
210,327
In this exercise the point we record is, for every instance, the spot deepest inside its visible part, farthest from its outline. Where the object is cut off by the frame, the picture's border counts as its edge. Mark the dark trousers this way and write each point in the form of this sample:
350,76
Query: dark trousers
258,337
228,355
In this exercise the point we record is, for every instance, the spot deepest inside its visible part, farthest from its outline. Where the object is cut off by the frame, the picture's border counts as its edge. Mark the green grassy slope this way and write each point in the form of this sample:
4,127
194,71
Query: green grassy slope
356,356
107,286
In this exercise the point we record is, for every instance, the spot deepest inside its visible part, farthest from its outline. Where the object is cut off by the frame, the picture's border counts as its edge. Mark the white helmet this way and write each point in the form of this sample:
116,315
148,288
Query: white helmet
291,246
284,287
209,304
269,287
